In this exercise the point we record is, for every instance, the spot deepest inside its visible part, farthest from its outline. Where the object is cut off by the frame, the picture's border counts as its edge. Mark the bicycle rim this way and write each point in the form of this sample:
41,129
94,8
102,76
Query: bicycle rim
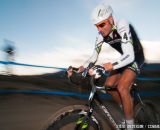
69,120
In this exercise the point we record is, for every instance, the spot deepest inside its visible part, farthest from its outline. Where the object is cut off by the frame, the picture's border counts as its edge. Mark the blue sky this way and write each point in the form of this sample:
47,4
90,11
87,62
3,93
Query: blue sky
46,32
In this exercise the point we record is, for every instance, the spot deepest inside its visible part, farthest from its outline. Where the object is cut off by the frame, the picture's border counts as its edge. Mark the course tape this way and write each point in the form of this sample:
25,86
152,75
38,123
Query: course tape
72,94
148,79
30,65
146,67
152,67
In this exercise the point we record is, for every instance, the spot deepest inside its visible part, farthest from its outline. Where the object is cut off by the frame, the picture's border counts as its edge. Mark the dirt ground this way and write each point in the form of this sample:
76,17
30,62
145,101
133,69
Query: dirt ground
29,112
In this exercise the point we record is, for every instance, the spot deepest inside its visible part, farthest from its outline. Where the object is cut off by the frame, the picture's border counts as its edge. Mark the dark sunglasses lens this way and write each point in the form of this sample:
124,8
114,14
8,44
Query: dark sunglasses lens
102,25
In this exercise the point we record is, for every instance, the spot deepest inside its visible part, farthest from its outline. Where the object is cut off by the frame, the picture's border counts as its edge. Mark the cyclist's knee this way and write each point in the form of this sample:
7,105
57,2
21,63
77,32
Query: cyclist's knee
123,90
110,83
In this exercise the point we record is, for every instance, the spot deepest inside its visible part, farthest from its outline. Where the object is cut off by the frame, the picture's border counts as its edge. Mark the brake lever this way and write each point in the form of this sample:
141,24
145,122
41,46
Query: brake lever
84,73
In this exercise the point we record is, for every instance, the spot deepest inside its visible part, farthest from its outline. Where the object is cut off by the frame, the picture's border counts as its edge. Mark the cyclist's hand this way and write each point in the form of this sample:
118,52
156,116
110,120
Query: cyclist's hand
91,72
72,70
108,66
97,71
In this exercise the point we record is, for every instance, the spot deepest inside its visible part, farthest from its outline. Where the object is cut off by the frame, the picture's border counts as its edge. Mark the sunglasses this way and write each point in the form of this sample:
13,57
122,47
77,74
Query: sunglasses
101,25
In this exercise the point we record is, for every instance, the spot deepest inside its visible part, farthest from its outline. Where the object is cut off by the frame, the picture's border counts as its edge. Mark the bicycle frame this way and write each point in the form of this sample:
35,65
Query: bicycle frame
93,97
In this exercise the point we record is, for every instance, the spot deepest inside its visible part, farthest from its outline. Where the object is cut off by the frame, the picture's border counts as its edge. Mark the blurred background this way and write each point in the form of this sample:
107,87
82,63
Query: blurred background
39,39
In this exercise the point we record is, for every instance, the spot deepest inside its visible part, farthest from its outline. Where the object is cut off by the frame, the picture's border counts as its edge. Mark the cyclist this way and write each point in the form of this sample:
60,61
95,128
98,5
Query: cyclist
121,36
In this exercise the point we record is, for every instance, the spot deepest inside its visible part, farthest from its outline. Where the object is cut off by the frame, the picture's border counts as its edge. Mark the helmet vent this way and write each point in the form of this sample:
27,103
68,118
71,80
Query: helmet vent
99,12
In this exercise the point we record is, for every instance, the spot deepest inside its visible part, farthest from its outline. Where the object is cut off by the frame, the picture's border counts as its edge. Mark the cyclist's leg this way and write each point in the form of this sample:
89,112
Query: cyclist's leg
126,80
112,80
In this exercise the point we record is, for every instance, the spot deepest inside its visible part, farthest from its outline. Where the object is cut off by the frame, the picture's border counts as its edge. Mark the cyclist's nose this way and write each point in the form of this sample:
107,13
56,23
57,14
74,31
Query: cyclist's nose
100,30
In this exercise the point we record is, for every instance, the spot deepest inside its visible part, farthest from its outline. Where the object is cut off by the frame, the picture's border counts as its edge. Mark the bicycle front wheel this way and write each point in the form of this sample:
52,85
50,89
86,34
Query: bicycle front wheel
70,118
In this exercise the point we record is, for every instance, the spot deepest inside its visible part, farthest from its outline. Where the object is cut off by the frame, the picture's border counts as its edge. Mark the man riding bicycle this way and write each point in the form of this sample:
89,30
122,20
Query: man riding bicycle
123,71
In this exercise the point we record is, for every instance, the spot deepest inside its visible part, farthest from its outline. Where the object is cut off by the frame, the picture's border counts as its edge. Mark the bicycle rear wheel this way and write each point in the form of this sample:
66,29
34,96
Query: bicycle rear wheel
146,114
70,118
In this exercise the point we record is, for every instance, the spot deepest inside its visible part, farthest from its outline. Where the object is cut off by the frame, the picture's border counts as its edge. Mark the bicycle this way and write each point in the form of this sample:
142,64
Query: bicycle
95,115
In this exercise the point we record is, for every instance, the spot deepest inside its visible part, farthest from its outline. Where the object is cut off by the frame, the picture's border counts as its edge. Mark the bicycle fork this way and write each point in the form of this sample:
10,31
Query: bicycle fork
83,121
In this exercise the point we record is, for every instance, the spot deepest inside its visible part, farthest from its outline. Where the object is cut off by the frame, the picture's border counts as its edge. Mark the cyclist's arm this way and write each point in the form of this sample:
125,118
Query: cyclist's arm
127,47
92,59
97,49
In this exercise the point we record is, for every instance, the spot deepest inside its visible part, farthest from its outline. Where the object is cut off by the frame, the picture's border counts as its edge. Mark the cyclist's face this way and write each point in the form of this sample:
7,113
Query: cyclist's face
104,27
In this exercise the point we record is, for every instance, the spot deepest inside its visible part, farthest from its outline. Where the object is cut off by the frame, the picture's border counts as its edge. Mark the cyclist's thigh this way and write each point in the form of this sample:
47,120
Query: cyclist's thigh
127,78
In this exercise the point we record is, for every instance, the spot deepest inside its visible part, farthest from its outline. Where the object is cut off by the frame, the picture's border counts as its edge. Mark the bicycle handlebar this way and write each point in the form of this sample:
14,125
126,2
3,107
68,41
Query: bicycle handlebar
84,72
92,78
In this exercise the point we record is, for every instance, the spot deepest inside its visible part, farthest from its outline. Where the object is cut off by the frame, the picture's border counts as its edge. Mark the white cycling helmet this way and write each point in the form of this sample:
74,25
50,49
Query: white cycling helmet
100,13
